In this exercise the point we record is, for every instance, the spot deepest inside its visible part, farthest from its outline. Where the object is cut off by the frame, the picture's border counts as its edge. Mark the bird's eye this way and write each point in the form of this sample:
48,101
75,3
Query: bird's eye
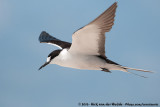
48,59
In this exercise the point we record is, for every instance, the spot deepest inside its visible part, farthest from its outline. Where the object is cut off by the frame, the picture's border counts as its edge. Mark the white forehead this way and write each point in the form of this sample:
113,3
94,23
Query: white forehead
48,59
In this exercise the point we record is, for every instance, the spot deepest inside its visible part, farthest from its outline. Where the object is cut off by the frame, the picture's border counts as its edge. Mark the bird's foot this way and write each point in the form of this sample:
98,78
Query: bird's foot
106,70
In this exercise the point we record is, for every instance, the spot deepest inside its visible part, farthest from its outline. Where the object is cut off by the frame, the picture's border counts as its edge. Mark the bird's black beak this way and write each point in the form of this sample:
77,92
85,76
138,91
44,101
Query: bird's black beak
46,63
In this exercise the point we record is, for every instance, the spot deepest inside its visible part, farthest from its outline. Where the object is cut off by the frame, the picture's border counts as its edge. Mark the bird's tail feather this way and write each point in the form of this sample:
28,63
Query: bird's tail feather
136,70
125,69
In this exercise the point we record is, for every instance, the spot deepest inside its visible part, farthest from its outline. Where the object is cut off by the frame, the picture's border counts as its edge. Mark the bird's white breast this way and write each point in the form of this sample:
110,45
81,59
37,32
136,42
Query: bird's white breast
78,61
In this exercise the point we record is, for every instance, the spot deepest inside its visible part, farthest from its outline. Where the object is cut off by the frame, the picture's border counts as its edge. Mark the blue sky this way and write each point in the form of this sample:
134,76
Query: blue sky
133,42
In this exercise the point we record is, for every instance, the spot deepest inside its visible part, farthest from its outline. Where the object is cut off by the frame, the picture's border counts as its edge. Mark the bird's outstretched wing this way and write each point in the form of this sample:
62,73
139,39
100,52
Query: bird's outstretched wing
91,38
46,38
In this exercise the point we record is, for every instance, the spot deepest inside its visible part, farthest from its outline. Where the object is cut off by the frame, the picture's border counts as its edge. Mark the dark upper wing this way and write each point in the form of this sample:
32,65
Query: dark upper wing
46,38
106,20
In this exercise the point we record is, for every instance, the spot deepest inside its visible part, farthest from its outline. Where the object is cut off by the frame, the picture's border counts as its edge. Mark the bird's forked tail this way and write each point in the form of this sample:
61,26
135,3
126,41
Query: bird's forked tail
126,70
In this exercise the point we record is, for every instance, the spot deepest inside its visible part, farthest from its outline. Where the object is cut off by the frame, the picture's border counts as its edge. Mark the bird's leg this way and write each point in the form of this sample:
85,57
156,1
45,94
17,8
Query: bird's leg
106,70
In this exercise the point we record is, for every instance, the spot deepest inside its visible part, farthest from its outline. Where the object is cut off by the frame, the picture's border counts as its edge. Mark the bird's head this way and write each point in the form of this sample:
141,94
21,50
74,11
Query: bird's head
50,57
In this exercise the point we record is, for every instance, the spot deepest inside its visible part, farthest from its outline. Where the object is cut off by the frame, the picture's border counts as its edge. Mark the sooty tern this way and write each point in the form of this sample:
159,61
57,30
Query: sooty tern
87,50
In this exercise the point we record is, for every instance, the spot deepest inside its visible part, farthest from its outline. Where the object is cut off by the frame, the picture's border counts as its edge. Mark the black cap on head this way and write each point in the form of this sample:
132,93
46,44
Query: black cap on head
51,56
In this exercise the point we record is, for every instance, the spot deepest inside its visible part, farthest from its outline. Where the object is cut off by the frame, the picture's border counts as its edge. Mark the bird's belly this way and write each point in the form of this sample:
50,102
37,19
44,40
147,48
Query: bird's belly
82,62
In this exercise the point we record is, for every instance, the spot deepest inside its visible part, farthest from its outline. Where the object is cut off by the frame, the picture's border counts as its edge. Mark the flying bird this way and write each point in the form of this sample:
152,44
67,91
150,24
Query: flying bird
87,50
